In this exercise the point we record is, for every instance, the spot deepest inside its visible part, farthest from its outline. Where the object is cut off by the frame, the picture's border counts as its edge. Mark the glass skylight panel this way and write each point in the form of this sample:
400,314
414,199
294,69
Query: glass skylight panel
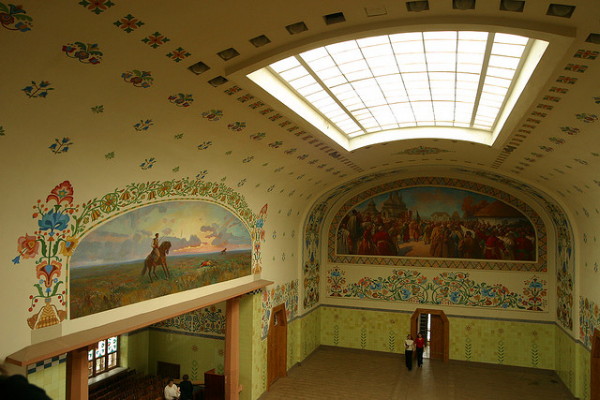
438,78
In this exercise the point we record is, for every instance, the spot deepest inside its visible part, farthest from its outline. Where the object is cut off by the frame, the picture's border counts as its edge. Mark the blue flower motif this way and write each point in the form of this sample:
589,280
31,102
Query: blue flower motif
375,286
16,260
455,297
335,273
488,292
53,221
405,294
48,290
259,223
536,284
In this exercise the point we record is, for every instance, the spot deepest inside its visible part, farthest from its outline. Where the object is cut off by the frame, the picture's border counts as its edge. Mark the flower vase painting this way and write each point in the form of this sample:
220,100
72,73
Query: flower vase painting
154,251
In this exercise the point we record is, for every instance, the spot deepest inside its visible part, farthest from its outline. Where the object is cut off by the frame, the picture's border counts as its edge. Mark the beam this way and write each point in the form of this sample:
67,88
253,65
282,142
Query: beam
65,344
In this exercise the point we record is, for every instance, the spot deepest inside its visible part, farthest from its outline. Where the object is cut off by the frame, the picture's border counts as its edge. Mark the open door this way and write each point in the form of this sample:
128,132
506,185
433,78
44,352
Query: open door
595,367
277,345
439,342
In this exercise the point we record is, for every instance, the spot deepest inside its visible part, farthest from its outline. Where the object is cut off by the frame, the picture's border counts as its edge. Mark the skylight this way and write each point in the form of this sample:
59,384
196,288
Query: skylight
386,84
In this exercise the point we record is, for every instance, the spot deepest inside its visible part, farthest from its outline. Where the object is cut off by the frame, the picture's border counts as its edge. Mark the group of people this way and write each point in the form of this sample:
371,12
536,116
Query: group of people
410,346
185,390
471,239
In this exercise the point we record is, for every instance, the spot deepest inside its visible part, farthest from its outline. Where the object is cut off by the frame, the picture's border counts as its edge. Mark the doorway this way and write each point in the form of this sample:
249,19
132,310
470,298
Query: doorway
277,345
434,326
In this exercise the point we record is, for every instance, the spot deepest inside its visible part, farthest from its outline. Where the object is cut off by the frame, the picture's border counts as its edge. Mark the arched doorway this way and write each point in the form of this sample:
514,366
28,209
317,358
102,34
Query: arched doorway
439,341
277,345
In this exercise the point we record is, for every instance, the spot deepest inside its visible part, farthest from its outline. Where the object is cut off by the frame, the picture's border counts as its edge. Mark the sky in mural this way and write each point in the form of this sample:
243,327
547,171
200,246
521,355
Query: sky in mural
430,199
191,227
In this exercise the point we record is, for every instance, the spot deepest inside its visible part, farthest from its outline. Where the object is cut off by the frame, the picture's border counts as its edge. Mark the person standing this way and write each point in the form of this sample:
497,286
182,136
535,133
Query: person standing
420,345
171,391
409,347
187,388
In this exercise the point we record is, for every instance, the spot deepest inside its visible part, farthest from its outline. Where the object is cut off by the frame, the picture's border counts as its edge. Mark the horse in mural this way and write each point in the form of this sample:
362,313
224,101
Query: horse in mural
153,260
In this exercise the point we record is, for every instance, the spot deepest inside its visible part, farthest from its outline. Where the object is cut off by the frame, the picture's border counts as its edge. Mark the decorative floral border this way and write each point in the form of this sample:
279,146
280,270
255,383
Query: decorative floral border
447,288
589,320
539,266
286,293
208,320
61,225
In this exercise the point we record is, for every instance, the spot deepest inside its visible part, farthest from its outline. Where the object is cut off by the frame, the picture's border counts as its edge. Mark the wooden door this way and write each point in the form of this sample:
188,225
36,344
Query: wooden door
436,341
439,344
595,367
277,345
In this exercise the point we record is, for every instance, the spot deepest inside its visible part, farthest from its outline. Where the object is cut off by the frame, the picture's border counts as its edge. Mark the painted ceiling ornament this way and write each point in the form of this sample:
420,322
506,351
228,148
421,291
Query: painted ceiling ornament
138,78
2,131
148,163
586,54
587,118
232,90
205,145
597,99
143,125
155,40
237,126
569,130
178,54
86,53
37,90
97,109
212,115
97,6
14,18
576,68
258,136
181,100
421,150
128,23
60,146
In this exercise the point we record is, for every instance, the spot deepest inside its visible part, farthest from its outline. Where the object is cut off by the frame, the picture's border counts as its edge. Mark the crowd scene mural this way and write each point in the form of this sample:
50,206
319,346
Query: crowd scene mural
437,222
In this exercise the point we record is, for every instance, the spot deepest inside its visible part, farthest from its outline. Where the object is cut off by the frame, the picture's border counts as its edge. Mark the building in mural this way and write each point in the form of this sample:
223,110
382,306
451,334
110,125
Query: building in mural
157,250
439,222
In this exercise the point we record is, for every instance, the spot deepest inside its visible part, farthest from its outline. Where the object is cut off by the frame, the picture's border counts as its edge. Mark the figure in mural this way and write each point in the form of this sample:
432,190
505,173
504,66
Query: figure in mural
438,222
158,256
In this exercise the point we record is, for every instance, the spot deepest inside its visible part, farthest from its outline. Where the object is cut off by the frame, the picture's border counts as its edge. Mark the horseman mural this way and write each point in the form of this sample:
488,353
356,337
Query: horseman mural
114,265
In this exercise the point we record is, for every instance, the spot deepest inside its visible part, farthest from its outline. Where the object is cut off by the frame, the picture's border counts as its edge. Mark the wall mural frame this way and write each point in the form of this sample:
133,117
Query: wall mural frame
565,257
540,265
61,224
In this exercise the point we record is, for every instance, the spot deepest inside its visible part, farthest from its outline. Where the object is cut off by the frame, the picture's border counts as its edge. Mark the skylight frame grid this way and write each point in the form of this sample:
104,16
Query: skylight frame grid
437,95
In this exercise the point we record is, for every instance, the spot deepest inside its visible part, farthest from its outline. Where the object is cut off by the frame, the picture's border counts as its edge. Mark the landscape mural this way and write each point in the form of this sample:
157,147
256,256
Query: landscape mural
436,222
157,250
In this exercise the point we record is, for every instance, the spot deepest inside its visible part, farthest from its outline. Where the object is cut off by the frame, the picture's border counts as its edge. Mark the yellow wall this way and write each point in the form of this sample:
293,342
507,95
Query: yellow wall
52,380
195,354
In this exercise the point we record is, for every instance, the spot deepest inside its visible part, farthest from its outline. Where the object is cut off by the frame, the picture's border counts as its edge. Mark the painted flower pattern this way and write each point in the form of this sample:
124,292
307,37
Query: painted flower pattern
181,99
60,146
52,221
86,53
61,192
37,90
138,78
28,246
14,18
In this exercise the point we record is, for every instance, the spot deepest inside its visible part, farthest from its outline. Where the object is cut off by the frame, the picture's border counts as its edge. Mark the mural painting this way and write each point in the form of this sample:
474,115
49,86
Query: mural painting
436,222
157,250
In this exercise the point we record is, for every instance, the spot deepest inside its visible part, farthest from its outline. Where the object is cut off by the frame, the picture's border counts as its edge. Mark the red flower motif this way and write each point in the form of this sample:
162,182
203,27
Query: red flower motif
47,270
62,192
28,246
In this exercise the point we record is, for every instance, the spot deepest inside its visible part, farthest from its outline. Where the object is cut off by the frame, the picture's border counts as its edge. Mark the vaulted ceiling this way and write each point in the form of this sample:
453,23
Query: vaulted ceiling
121,90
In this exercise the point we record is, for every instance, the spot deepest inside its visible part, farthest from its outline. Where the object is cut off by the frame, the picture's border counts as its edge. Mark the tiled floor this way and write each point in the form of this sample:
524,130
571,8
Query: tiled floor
335,373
